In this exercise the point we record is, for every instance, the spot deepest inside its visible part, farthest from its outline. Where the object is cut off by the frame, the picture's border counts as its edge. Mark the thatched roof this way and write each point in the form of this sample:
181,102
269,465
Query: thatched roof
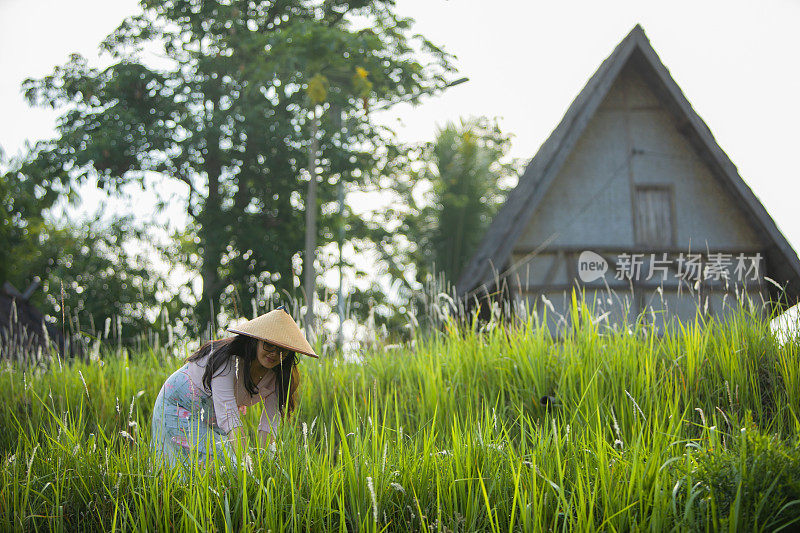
494,252
24,333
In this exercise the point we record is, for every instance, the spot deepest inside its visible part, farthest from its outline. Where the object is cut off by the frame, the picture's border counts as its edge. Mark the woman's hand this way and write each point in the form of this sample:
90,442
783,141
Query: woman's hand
265,438
238,440
267,442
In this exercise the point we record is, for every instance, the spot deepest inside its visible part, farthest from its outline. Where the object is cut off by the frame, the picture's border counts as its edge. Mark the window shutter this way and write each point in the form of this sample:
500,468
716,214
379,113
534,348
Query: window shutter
654,224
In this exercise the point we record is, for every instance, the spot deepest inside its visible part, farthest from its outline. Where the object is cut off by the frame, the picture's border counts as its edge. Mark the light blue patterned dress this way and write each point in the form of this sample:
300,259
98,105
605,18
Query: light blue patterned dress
184,427
190,424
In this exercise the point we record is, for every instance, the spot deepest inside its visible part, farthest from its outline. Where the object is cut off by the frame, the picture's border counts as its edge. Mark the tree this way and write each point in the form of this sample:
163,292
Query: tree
226,113
88,270
469,180
23,203
447,193
97,271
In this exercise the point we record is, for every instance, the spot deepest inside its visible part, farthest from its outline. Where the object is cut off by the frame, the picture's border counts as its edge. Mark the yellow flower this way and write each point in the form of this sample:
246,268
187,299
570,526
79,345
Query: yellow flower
317,89
361,85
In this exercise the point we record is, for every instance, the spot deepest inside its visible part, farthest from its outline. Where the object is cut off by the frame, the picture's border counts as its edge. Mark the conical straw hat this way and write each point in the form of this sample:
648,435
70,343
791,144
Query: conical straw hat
276,327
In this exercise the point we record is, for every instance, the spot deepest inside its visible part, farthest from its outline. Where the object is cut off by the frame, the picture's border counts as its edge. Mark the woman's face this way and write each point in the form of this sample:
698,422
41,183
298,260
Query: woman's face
270,355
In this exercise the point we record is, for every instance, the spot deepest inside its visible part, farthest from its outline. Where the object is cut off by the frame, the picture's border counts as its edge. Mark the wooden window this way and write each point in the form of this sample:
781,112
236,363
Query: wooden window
654,220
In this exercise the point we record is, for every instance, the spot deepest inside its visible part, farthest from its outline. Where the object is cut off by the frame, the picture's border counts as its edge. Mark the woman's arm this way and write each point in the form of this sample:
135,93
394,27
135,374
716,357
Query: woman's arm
238,440
228,413
270,417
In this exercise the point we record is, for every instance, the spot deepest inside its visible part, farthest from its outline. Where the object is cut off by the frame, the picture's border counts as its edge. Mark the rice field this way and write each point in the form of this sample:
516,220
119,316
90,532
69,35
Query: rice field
497,429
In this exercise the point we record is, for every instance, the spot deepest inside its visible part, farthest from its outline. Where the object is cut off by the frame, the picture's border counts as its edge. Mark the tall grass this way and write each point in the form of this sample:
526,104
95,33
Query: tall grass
695,429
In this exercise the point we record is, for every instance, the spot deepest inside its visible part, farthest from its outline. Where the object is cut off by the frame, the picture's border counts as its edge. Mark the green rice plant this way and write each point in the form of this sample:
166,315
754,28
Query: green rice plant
695,428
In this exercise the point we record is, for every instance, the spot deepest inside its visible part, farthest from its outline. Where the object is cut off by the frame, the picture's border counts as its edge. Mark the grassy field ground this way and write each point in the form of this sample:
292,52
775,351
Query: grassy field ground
694,430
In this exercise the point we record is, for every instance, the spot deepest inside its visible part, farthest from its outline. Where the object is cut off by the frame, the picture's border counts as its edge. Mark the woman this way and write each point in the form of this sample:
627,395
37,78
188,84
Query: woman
197,413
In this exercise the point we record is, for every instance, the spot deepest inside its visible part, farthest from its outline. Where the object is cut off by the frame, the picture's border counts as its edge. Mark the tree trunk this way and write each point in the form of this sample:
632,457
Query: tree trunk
212,241
311,230
212,224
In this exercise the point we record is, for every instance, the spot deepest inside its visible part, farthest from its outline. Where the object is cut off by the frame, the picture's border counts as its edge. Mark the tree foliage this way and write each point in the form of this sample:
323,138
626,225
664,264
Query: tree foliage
95,272
225,110
90,270
469,180
447,194
23,203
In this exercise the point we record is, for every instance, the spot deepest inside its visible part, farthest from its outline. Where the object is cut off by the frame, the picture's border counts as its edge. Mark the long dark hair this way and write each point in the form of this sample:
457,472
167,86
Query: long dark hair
286,375
221,354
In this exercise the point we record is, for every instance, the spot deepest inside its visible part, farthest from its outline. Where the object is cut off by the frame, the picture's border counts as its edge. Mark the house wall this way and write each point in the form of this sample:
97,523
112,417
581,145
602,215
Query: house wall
590,202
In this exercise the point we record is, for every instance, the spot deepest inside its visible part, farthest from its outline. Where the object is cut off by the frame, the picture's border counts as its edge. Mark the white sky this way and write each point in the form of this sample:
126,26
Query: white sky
736,61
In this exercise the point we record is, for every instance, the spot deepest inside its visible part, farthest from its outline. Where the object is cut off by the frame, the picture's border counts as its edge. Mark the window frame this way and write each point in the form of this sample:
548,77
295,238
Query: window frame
669,189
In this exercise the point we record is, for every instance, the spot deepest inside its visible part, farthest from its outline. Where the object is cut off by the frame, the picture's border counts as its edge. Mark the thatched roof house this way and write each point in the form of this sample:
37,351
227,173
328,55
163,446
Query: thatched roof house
24,333
632,179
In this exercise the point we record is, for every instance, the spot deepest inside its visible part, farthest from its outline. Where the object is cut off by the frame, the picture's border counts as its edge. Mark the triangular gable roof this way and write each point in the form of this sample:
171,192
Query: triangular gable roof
494,252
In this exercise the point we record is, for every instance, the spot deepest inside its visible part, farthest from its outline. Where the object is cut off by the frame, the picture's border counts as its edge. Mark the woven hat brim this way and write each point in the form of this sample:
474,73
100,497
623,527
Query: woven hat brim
292,348
276,327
